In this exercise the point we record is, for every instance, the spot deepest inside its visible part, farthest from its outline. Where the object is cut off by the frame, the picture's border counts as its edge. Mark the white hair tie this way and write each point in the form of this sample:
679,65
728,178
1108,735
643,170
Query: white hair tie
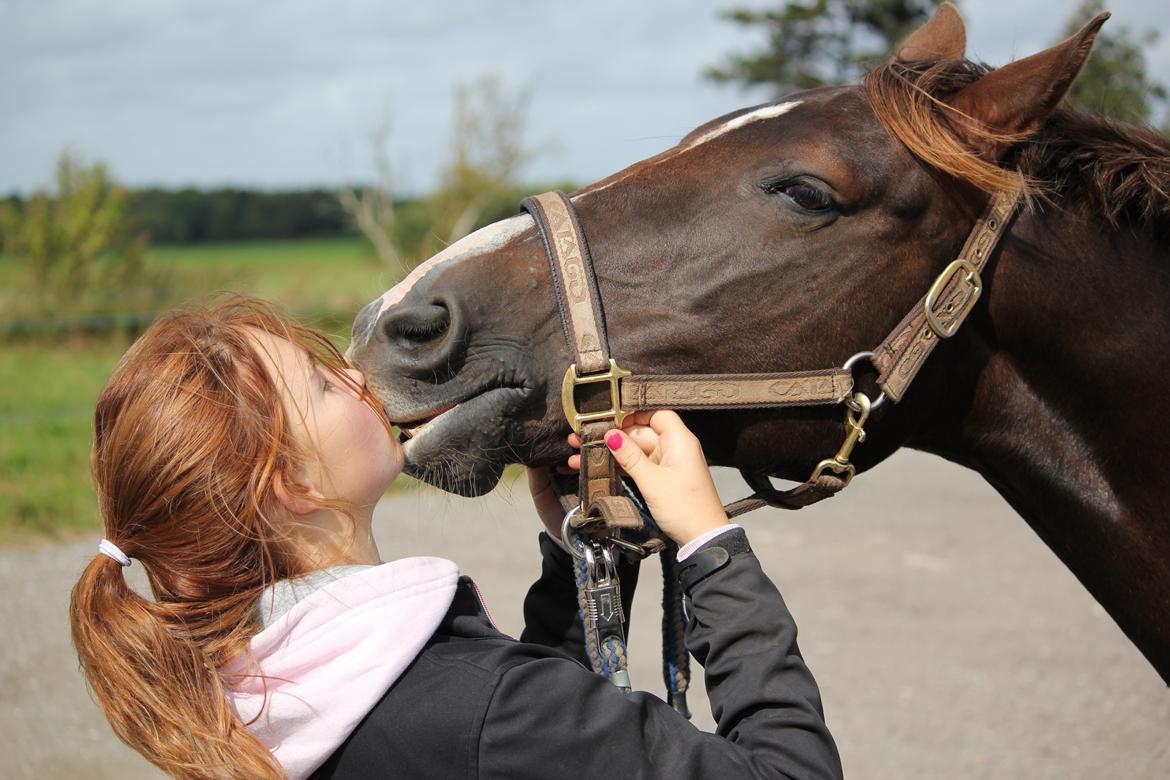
108,548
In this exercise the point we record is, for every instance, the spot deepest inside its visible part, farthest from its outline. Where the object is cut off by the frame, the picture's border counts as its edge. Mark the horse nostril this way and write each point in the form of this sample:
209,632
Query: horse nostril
416,326
421,338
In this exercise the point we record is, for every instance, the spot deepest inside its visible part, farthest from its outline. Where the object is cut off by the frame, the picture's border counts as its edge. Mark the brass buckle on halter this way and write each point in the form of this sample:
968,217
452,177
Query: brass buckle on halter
572,381
936,324
839,464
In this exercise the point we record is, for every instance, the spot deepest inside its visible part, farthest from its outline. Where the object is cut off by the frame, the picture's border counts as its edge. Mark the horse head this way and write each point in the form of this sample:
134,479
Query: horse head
781,237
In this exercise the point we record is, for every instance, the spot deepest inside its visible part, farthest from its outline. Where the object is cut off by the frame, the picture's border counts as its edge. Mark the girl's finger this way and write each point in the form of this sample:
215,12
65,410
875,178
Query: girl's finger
538,480
574,462
630,458
665,421
638,418
574,441
644,437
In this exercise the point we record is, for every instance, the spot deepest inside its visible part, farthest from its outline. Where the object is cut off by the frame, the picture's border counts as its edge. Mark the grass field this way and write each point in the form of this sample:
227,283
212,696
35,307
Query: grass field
307,275
48,387
46,407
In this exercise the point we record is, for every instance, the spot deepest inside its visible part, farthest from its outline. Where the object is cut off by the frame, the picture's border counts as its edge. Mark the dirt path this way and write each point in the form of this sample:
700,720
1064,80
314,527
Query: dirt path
949,642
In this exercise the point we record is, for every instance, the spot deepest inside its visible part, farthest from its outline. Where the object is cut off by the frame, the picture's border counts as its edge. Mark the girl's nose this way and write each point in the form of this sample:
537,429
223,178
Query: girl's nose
357,376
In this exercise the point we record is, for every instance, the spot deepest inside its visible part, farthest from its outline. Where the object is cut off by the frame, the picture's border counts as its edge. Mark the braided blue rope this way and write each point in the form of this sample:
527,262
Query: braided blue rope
610,657
676,661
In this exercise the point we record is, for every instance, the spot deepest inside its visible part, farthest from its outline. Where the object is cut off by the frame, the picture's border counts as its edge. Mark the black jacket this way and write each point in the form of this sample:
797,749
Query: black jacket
478,704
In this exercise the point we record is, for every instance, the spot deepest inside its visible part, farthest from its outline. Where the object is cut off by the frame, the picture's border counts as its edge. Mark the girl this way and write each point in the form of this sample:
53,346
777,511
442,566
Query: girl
238,459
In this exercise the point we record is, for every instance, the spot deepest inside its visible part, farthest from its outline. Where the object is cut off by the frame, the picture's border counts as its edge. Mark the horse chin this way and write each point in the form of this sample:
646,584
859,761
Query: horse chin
464,449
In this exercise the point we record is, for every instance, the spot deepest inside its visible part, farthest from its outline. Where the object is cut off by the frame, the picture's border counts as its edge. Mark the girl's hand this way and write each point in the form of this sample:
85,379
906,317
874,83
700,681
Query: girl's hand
666,461
548,506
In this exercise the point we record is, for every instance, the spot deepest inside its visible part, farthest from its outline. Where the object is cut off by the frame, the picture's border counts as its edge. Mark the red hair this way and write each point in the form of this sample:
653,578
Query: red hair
189,434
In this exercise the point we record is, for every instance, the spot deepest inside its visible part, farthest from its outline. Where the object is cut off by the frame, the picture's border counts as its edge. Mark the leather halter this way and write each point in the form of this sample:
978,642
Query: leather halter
898,359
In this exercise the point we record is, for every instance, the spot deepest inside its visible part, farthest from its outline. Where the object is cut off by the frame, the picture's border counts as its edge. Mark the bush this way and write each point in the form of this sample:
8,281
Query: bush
76,246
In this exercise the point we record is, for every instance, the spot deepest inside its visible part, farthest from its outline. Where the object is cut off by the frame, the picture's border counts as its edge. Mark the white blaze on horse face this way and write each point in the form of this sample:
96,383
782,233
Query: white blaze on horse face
765,112
487,239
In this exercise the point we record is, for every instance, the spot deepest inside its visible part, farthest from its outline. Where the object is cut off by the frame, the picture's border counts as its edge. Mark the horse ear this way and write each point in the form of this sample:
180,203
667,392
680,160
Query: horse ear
1012,102
942,38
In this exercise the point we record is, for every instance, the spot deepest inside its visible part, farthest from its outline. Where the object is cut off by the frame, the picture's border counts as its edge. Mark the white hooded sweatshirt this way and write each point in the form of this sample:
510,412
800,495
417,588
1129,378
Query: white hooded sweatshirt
331,657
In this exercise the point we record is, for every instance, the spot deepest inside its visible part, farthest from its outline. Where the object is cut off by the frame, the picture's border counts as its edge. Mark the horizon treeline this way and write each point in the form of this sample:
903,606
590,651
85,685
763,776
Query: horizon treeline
190,215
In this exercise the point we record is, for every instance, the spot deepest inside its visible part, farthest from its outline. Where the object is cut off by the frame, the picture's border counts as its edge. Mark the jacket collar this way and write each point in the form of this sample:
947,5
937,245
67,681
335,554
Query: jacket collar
318,669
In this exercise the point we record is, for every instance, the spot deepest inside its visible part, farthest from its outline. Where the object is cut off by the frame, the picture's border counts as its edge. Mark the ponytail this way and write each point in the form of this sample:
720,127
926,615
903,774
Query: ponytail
161,695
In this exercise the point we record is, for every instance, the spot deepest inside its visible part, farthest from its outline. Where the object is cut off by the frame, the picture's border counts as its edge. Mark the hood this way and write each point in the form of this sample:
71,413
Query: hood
326,662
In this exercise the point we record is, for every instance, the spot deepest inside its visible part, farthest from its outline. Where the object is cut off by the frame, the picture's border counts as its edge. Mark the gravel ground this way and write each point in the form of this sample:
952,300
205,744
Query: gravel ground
948,641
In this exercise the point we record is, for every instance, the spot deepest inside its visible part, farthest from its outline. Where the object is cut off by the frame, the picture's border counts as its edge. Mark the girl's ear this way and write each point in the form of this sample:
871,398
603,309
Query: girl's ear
296,502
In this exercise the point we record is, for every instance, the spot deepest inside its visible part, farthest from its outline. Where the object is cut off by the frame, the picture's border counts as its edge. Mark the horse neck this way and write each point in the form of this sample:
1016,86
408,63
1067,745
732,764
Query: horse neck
1060,402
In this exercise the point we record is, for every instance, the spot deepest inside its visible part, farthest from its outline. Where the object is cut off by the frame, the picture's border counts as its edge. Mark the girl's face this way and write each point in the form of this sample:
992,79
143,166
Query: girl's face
356,458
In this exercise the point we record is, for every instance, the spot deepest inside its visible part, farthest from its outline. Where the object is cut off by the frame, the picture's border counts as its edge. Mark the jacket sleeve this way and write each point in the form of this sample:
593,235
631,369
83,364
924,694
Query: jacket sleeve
550,718
551,615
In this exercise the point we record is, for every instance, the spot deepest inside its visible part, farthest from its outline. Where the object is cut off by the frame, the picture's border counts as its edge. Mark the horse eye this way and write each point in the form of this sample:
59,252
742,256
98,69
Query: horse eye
807,197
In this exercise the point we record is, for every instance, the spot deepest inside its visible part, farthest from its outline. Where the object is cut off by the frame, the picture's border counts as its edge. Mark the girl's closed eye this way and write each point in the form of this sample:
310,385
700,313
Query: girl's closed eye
326,381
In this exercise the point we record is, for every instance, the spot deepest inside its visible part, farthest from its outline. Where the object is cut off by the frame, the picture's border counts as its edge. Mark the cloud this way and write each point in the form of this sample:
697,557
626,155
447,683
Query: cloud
286,94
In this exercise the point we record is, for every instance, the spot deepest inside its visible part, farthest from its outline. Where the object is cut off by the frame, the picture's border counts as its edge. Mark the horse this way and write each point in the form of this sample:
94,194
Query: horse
795,234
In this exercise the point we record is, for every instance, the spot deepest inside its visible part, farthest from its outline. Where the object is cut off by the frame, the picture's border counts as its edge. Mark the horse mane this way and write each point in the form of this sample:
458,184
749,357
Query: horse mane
1119,172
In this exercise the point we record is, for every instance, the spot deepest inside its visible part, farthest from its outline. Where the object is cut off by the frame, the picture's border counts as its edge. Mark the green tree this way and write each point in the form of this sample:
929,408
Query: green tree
1115,81
819,42
75,240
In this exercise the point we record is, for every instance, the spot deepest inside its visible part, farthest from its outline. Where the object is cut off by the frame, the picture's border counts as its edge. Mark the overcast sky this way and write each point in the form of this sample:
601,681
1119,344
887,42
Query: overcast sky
286,94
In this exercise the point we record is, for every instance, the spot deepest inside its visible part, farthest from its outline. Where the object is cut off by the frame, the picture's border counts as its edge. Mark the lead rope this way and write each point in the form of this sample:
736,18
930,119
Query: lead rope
676,661
605,645
606,656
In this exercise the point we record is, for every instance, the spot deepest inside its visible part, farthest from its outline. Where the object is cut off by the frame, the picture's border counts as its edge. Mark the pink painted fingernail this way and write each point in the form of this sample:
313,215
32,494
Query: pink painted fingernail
614,441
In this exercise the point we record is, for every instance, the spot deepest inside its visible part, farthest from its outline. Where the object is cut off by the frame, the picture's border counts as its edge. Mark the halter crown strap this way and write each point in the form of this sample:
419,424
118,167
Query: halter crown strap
942,310
600,492
902,354
574,280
